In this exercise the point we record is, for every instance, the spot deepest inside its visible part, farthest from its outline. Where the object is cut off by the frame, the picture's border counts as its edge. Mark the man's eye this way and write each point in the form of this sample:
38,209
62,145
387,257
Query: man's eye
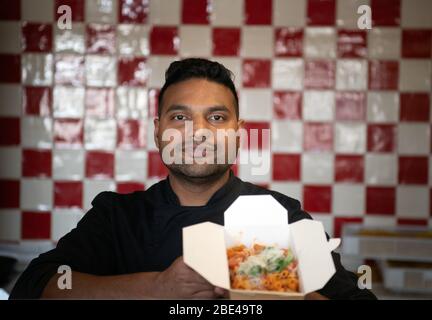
179,117
216,117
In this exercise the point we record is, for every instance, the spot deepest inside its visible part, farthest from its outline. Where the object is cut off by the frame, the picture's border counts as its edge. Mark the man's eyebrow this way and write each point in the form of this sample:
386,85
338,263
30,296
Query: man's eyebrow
218,108
177,107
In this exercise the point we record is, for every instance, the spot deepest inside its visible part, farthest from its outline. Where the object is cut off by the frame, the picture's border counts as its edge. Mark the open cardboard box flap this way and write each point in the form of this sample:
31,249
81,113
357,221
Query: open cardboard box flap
262,219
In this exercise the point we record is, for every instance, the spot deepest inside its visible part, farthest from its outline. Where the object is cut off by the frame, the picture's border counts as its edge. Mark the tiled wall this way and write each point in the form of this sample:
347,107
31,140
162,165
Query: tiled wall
349,110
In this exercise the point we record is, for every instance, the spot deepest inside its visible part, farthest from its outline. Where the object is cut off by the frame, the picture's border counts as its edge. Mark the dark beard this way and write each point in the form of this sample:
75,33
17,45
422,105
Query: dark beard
202,175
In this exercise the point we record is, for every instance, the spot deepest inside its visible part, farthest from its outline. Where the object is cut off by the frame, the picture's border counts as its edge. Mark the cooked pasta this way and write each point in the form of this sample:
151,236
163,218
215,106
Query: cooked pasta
263,268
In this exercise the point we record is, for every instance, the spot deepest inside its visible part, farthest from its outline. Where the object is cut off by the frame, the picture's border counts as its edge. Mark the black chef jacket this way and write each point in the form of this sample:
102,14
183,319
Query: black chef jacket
142,232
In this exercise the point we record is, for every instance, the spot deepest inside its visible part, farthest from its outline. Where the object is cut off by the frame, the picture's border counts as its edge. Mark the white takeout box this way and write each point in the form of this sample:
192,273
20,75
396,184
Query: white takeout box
260,219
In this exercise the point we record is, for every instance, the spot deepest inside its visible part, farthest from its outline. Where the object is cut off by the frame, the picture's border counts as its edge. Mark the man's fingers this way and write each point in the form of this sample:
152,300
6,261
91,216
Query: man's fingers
221,293
208,294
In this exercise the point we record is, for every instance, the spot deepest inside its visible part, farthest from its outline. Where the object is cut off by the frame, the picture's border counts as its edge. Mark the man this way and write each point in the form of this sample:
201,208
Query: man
130,246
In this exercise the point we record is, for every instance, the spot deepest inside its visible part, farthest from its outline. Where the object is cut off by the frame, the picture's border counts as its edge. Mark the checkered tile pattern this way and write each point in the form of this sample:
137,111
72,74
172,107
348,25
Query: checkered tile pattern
349,109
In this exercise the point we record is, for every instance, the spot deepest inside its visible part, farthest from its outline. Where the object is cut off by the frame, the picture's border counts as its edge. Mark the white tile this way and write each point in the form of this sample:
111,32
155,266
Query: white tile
157,66
100,134
318,105
379,221
320,42
37,69
383,107
103,11
165,12
350,137
381,169
68,102
70,40
226,13
36,132
348,200
384,43
288,74
415,75
151,146
36,194
414,138
42,12
68,164
10,162
255,166
10,225
287,136
290,189
190,36
132,103
317,168
10,35
256,104
416,13
101,71
93,187
289,13
351,74
412,202
346,13
133,39
130,165
327,221
257,42
235,66
63,221
10,99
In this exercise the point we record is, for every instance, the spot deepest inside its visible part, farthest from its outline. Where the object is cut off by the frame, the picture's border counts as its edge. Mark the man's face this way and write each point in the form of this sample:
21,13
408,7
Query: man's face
210,108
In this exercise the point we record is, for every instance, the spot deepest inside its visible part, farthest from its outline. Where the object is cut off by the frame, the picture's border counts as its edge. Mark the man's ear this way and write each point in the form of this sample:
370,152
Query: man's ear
240,123
156,132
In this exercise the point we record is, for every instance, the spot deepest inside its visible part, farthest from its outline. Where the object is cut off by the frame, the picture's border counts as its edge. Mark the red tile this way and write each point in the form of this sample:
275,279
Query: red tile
69,70
37,101
414,107
100,38
286,167
416,43
164,41
258,12
319,74
99,102
13,11
317,199
36,163
68,133
383,75
153,95
381,138
9,131
255,135
350,106
131,134
380,200
132,71
77,8
156,168
99,164
339,222
288,42
10,195
351,44
349,168
318,137
256,73
235,170
10,65
129,187
37,37
195,12
385,12
68,194
133,11
413,170
321,12
287,105
36,225
226,41
412,222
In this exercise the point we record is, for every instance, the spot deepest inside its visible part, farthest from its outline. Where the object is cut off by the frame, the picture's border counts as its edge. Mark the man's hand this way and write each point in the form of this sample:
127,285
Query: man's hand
180,281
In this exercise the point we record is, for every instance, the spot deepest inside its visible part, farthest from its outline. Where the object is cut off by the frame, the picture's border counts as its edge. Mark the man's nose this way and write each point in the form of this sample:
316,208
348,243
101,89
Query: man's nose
200,125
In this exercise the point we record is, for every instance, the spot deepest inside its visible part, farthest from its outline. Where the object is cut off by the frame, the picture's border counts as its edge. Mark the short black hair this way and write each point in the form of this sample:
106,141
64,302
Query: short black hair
198,68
